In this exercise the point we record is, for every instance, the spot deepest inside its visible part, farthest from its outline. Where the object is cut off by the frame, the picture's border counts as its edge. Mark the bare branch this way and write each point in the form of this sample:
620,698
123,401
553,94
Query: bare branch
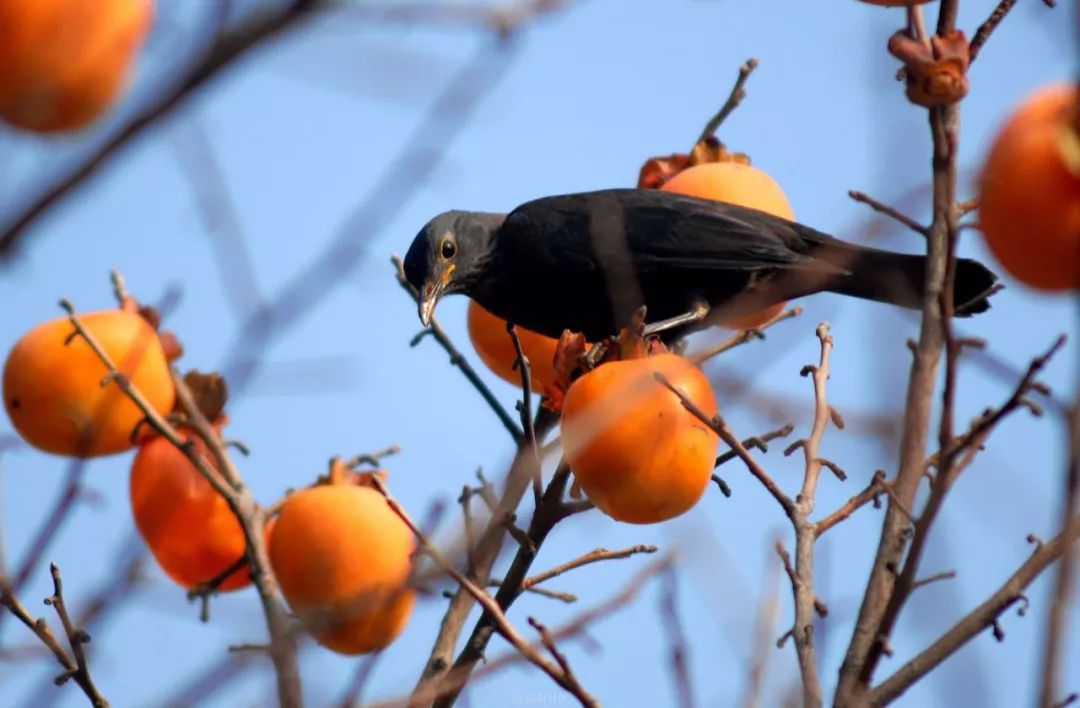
872,491
760,442
721,428
491,607
680,668
982,617
225,479
521,363
889,211
743,336
364,668
456,677
458,360
1057,620
40,629
595,556
76,639
738,93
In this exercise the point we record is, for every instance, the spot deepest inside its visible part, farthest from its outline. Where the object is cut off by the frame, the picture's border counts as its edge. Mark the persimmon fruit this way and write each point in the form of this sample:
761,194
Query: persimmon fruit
53,390
492,342
1029,205
188,527
635,450
64,62
742,184
342,558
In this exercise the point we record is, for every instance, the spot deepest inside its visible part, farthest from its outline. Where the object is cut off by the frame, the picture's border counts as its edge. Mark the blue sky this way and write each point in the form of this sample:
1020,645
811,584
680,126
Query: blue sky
304,128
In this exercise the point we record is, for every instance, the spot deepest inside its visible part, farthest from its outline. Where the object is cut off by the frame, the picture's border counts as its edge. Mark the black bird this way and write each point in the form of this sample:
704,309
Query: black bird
585,262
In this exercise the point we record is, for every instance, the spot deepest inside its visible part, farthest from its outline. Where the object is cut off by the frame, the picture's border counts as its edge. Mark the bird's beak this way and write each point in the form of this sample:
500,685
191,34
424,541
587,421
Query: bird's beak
428,300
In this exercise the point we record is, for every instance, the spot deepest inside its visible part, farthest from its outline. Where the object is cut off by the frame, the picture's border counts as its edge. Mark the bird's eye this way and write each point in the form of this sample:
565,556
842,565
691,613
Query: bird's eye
448,249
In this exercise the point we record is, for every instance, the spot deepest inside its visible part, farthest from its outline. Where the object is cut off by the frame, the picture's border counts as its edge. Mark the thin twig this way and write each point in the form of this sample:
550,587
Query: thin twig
935,578
870,493
802,575
982,617
551,511
364,668
524,367
458,360
957,457
764,628
53,521
738,93
1057,620
889,211
548,642
680,667
486,551
40,628
567,597
987,28
595,556
455,678
760,442
204,590
491,607
76,639
743,336
720,427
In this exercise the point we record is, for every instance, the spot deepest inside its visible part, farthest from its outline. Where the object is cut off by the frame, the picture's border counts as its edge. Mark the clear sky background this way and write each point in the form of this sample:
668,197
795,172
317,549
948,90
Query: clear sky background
303,130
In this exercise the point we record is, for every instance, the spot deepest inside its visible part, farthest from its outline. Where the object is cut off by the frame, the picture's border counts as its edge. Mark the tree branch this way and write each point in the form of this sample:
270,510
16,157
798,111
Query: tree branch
982,617
225,479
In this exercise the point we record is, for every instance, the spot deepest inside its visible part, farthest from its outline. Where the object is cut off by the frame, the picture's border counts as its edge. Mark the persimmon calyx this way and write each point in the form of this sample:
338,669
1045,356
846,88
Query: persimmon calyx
936,74
341,473
209,391
710,149
658,170
567,363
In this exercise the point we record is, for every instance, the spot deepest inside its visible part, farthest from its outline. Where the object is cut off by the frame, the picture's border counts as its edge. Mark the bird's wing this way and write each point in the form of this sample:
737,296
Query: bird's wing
648,229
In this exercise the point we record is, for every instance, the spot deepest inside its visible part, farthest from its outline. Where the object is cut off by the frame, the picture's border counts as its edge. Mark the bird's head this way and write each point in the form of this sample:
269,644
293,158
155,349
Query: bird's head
448,255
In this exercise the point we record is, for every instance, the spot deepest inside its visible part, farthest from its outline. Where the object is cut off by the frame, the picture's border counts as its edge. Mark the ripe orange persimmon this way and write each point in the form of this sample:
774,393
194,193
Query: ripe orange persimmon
187,525
53,390
492,342
635,451
63,62
740,184
1029,206
342,558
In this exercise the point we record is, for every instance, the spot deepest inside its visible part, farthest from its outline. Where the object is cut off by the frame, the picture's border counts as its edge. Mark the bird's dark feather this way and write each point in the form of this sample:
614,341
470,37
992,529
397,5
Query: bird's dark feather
586,261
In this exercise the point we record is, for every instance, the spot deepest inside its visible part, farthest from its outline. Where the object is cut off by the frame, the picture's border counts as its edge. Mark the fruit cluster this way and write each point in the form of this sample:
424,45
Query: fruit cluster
635,450
341,556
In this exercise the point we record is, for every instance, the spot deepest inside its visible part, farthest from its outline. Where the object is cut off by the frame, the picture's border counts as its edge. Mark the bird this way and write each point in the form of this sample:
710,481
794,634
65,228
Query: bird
586,262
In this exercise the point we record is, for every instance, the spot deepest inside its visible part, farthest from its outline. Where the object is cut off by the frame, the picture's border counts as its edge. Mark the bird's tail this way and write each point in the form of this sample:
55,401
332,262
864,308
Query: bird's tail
900,279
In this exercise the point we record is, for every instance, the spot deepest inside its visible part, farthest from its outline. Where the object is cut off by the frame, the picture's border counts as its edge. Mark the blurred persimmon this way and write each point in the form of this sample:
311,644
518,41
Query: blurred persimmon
1029,206
635,451
492,342
53,386
737,183
63,62
188,526
342,558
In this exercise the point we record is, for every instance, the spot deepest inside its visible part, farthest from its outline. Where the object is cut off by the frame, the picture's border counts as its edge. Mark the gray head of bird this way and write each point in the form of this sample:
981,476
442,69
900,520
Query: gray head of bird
449,255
